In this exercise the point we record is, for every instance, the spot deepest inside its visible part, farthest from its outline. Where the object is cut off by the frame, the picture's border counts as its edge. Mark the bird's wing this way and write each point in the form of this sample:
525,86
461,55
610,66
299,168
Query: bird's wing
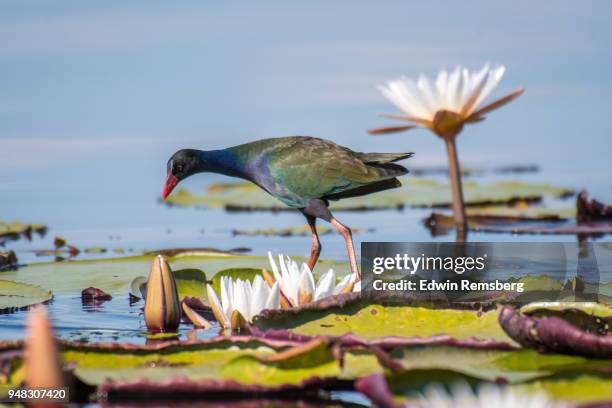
315,168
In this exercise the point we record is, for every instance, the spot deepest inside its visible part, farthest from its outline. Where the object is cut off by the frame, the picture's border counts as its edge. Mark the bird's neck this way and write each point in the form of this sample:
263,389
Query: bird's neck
220,161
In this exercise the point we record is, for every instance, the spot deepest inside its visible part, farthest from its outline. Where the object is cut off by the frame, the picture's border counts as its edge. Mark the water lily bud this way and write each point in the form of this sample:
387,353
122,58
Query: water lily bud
306,287
162,310
41,360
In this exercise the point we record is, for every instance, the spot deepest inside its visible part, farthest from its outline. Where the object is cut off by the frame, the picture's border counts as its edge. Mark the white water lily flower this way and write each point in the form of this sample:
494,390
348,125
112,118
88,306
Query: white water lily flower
445,104
297,284
242,300
487,395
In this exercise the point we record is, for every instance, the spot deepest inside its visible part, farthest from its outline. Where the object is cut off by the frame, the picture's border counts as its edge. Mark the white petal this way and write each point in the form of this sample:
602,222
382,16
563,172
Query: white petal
287,285
345,281
441,85
430,95
275,272
259,296
325,287
493,78
215,304
452,89
357,286
293,280
226,286
400,93
306,288
477,83
273,301
419,101
241,299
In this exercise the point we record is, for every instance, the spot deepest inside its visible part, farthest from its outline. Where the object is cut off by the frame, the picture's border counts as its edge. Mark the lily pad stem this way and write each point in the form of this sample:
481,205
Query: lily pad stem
454,174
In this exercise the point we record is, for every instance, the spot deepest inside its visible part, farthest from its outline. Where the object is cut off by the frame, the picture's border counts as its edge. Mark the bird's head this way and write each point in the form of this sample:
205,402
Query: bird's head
181,165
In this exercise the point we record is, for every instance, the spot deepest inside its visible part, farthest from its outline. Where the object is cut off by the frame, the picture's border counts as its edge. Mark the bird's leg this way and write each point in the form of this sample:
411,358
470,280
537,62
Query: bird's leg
315,249
350,248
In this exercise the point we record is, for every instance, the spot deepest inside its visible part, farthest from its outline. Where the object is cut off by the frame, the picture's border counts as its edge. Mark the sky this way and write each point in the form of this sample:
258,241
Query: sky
95,96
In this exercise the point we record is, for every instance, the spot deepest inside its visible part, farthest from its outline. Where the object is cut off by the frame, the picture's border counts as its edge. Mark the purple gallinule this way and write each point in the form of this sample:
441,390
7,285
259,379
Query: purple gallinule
302,172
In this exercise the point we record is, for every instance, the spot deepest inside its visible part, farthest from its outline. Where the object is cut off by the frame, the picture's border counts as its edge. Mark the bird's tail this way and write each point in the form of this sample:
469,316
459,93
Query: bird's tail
383,158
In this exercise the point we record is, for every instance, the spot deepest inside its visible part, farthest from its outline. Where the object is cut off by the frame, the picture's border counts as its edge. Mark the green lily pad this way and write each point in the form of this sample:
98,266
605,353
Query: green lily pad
414,192
577,387
16,295
115,275
95,250
190,282
245,362
234,273
522,213
138,287
441,224
494,365
374,321
314,361
594,309
569,378
17,228
301,231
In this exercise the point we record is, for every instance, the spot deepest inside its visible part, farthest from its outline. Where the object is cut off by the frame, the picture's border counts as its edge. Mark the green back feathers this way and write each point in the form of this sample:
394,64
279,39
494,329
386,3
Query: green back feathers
304,167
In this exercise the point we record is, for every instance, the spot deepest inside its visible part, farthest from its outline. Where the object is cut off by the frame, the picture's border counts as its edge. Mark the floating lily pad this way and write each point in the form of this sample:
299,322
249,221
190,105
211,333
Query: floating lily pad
95,250
302,231
476,171
373,322
441,224
596,310
138,287
395,390
520,213
240,363
176,252
115,275
16,229
414,192
16,295
515,366
582,387
190,282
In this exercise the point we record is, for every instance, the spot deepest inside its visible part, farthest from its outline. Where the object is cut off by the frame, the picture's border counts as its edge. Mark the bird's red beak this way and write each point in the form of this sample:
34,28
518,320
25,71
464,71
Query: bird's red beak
171,182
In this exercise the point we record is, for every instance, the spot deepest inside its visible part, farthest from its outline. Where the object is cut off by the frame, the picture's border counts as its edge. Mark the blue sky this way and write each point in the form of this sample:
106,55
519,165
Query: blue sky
96,95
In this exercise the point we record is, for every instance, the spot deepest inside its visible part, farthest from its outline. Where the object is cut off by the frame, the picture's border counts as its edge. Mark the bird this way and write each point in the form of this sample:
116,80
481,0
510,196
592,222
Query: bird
302,172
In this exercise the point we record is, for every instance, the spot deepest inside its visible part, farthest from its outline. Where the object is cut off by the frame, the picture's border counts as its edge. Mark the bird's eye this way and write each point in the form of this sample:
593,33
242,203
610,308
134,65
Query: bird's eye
178,168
